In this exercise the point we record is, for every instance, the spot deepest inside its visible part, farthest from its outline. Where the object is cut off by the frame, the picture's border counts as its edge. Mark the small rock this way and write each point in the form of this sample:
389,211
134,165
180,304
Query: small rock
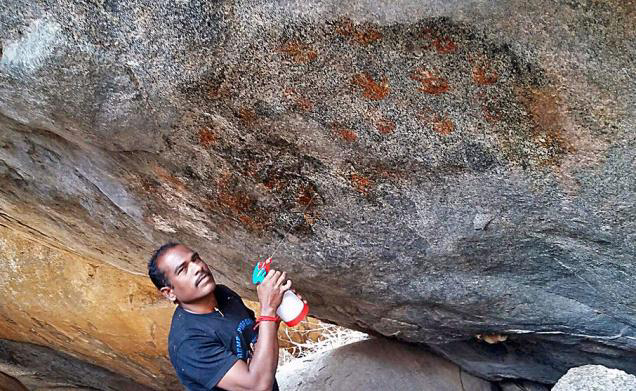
481,221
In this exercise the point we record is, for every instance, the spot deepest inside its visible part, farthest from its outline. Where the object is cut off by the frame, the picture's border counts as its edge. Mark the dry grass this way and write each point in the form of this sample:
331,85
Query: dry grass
320,337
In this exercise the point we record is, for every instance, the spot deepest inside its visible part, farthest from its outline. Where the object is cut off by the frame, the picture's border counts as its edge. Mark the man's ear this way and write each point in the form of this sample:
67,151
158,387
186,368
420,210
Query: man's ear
168,293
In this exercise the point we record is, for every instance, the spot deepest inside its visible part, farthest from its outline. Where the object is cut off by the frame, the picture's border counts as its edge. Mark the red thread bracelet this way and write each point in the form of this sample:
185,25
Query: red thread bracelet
266,319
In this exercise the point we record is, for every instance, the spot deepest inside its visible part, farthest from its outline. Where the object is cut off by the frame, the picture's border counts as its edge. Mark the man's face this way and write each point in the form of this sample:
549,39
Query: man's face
189,276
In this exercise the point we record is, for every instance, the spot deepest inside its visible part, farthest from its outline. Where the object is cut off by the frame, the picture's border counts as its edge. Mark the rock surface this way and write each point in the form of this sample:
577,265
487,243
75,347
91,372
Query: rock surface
445,168
39,368
595,378
522,385
377,365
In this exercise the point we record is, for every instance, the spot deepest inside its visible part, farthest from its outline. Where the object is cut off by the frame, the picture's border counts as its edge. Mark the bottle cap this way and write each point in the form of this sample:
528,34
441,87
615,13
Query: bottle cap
260,271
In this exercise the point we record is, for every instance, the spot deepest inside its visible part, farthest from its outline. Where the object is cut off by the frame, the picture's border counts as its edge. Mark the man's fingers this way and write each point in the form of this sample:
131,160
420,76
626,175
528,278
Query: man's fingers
281,279
273,275
269,274
286,286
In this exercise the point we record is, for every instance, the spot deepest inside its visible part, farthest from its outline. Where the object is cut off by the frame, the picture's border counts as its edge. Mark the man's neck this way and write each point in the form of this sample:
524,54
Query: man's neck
205,305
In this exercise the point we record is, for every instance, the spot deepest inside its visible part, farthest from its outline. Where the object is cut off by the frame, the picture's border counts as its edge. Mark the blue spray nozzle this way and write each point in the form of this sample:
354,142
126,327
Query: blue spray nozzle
260,271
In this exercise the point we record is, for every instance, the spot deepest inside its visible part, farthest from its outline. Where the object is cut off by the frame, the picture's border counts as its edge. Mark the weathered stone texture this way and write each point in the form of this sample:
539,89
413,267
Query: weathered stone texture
377,365
446,168
595,378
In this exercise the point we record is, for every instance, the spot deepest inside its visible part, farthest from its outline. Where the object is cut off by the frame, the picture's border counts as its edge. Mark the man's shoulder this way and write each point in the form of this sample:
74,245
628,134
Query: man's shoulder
224,290
184,330
183,326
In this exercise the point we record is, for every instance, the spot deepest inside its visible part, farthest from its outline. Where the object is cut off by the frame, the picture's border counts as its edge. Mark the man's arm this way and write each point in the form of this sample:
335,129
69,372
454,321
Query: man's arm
259,375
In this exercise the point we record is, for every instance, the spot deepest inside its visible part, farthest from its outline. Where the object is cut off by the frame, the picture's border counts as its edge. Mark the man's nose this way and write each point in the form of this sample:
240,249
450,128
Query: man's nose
197,268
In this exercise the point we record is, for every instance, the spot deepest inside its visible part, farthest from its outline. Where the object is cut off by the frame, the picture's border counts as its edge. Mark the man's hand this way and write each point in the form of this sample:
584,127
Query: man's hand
259,375
270,291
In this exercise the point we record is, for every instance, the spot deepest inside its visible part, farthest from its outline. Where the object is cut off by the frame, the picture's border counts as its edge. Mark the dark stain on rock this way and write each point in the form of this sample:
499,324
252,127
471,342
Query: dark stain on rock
429,83
370,88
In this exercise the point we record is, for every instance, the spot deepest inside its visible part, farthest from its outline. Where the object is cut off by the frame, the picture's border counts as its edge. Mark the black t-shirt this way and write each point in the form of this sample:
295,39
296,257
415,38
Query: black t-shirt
203,347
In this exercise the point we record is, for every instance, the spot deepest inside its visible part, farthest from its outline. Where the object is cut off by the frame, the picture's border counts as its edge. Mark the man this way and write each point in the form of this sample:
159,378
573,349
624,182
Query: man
212,330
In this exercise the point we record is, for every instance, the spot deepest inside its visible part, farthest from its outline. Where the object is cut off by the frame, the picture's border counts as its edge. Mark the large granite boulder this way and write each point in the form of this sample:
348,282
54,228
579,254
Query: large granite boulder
444,168
595,378
377,365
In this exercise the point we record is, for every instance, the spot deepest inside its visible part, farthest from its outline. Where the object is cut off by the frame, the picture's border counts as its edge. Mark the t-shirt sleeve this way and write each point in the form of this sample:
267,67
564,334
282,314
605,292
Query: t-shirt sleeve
204,360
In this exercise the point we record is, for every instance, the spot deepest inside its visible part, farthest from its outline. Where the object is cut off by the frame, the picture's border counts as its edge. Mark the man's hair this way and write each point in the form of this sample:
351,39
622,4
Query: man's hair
157,276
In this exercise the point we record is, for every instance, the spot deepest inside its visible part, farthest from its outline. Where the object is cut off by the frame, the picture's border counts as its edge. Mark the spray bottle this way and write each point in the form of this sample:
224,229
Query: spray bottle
291,310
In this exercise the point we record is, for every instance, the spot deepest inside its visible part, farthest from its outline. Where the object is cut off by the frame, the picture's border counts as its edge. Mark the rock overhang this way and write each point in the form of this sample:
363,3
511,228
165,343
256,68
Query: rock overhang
445,170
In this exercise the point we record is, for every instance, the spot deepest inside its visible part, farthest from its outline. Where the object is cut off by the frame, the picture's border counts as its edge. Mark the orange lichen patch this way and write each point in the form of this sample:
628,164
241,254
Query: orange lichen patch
362,34
347,134
299,53
444,45
361,183
371,89
430,83
483,76
246,116
207,137
167,177
385,126
443,126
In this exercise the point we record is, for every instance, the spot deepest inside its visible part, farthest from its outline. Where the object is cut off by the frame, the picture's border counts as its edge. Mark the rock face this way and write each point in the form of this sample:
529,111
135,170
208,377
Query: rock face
40,368
377,365
595,378
445,169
